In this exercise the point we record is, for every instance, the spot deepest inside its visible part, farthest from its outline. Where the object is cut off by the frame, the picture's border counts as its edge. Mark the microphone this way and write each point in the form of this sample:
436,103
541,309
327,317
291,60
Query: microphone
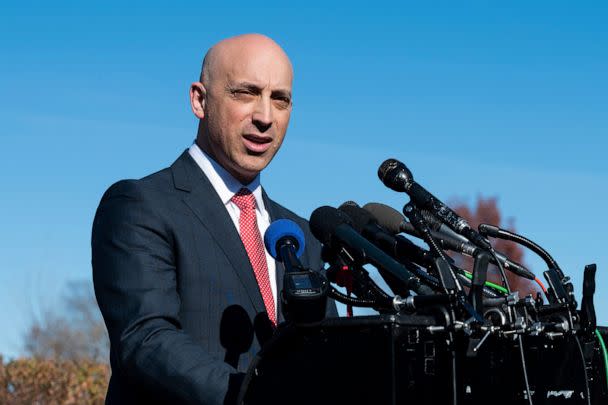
334,229
448,277
396,176
285,242
399,247
304,294
402,249
392,220
438,226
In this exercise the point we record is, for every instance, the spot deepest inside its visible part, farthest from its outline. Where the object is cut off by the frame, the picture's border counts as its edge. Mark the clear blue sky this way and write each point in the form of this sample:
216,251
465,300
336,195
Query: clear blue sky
506,100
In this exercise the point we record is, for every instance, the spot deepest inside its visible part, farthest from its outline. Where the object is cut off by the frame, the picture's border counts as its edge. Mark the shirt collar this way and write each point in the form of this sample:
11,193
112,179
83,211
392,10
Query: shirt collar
223,182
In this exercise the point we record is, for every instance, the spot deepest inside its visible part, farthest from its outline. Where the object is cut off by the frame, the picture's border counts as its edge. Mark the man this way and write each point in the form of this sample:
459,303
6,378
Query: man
186,289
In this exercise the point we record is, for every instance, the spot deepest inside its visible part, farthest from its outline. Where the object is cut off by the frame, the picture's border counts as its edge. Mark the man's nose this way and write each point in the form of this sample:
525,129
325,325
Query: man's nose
262,115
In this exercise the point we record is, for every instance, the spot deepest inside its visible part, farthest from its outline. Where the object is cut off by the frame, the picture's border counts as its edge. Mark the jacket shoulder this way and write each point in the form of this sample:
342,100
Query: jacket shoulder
140,188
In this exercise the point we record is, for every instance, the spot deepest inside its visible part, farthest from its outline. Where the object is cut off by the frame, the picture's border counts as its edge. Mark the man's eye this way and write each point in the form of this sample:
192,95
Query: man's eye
283,101
242,93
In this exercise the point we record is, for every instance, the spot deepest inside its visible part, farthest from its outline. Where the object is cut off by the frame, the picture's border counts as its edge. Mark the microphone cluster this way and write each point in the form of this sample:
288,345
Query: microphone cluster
420,278
425,280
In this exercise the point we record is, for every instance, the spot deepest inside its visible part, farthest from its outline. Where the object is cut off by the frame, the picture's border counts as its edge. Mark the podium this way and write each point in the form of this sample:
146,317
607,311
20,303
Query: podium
395,359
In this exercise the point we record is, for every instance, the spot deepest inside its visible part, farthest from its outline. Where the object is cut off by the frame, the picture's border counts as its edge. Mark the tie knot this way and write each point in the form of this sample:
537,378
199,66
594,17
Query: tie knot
244,199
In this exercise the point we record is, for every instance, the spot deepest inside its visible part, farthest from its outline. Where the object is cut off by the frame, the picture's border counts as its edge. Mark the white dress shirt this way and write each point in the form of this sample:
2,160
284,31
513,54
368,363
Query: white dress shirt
226,186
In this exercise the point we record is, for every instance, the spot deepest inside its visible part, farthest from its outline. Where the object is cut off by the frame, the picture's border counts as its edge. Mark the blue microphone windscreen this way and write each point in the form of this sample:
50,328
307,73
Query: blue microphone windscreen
282,228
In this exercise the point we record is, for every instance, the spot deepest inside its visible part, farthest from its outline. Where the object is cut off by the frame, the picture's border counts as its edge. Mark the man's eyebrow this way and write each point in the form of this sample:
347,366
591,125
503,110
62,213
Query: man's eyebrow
245,85
281,93
257,88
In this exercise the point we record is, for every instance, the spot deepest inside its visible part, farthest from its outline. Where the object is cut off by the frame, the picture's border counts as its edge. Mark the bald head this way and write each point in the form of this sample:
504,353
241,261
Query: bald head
226,52
243,101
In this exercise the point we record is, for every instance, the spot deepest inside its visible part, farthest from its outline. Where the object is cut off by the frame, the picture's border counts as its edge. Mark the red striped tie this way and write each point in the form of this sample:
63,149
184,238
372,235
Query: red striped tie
250,235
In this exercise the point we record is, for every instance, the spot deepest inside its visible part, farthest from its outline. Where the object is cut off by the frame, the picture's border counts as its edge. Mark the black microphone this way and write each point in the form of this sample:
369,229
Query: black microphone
392,220
394,217
395,175
334,229
448,277
438,226
400,248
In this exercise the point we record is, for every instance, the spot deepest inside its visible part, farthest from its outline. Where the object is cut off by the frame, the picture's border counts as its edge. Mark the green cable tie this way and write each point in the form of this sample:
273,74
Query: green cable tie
488,284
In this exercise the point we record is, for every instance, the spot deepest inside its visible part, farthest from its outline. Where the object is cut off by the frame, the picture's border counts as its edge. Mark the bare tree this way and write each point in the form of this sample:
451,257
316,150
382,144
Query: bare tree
72,332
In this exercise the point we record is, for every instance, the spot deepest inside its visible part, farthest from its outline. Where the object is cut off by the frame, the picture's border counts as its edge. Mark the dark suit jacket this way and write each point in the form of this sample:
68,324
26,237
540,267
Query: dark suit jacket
176,289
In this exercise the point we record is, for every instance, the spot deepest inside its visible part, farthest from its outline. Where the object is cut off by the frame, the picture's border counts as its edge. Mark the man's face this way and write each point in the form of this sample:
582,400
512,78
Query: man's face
247,109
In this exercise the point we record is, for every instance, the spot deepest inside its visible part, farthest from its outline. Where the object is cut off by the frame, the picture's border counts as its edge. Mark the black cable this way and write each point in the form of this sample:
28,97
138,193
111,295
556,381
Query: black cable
454,382
434,282
460,273
379,291
587,389
423,275
519,339
523,364
345,299
364,280
497,232
503,275
413,213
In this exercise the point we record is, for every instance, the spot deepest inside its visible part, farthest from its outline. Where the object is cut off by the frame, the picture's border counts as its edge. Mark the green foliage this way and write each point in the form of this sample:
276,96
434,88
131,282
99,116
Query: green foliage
53,382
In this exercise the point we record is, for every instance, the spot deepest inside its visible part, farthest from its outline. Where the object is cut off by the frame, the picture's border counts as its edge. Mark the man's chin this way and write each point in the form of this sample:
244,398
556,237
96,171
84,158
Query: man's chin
255,161
250,167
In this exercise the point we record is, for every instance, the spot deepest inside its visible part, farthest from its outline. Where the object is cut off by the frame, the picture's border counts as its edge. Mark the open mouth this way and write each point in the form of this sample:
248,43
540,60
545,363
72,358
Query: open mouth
256,143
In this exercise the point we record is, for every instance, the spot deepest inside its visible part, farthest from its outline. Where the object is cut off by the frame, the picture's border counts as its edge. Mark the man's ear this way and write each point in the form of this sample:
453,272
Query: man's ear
198,95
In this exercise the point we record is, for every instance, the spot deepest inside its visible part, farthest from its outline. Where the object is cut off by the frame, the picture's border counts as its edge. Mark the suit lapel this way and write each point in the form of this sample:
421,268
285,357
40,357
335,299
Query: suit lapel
211,212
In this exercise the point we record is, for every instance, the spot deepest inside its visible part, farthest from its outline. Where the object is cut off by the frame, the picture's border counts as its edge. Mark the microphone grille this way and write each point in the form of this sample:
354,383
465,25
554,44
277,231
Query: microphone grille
324,220
387,217
283,228
387,166
360,218
395,175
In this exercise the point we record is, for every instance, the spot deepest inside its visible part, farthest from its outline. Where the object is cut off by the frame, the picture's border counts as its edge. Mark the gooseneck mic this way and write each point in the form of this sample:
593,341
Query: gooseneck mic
392,220
334,229
395,175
